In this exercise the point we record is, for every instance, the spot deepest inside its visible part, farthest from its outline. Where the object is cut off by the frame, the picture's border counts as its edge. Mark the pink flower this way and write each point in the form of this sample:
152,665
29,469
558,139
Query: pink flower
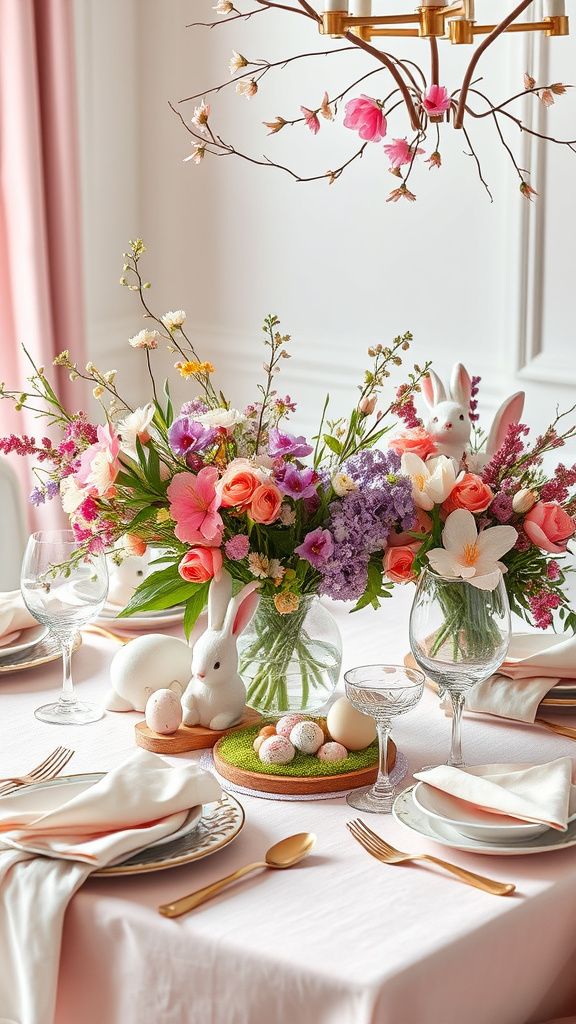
200,564
316,547
398,562
548,526
193,507
237,547
99,465
364,115
416,440
436,99
399,152
469,492
311,119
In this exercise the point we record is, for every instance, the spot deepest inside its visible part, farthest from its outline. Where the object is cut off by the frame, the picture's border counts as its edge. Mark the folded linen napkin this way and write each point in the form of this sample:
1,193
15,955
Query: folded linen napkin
534,664
540,793
14,616
75,831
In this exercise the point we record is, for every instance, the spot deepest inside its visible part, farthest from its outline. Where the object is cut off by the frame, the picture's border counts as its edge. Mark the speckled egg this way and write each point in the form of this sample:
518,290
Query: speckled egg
350,727
307,737
276,750
285,725
163,712
332,752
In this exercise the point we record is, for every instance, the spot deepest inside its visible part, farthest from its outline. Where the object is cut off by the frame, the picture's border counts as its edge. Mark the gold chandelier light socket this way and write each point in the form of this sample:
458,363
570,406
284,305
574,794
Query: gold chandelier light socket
558,25
461,31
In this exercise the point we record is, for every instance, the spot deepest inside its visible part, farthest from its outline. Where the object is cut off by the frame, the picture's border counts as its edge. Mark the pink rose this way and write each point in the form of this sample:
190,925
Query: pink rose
436,99
469,492
415,440
200,564
398,564
364,115
548,526
237,485
265,504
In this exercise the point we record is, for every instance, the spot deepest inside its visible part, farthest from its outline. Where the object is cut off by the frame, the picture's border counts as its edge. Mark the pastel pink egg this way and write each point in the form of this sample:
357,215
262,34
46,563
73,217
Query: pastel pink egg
307,737
276,750
285,725
163,712
332,752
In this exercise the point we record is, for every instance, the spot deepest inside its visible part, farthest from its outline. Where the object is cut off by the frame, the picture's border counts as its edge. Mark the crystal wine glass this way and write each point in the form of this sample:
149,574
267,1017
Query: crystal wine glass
64,590
381,691
459,635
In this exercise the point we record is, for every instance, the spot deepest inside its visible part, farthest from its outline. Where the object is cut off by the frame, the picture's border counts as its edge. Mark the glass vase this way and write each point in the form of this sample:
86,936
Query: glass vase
290,662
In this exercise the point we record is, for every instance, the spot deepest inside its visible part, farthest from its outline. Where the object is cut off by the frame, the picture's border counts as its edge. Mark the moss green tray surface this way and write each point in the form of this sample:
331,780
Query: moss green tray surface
236,749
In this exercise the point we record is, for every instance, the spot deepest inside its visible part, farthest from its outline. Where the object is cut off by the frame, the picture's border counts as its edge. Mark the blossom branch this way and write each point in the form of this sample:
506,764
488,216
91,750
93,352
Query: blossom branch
385,59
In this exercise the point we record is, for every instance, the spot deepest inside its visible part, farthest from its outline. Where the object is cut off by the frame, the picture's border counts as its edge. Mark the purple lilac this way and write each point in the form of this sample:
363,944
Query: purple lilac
37,496
188,435
195,407
280,443
474,416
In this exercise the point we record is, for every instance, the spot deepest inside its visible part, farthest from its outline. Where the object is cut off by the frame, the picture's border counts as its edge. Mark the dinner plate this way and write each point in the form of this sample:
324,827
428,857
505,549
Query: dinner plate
473,821
42,651
205,830
144,620
407,813
24,639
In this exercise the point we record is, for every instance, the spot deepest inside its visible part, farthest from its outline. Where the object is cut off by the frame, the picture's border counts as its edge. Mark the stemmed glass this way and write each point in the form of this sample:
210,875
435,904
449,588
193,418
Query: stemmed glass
63,590
381,691
459,635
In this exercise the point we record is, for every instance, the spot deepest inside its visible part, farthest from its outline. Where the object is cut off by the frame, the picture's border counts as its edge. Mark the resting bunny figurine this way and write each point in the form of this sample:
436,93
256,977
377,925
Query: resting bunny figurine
449,420
216,696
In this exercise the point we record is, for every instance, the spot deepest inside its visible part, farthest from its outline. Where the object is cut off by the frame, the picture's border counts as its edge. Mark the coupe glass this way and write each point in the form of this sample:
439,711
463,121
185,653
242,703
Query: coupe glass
381,691
64,591
459,636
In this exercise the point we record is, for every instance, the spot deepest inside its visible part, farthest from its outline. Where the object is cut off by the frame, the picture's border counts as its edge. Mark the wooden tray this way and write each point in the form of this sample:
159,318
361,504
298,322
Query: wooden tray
187,737
292,786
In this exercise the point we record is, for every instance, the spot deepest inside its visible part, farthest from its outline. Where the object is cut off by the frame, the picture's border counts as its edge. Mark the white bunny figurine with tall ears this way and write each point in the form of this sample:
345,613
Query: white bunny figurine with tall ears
449,420
216,696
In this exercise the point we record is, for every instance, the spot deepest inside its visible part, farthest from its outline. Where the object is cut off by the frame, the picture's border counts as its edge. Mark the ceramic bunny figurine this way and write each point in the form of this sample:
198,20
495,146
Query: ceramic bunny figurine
449,420
216,696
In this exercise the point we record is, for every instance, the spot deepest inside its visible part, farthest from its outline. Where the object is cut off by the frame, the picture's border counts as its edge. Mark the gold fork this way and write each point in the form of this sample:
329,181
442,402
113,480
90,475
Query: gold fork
387,854
47,769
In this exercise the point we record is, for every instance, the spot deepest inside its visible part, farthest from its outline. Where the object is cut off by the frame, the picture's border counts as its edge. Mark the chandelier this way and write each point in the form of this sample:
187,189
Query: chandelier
414,106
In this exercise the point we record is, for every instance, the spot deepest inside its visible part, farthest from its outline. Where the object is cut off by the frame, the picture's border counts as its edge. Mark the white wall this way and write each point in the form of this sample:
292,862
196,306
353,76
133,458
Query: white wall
487,283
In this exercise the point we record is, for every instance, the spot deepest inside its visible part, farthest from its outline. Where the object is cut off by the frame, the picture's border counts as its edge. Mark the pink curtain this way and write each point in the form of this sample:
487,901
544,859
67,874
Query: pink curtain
41,300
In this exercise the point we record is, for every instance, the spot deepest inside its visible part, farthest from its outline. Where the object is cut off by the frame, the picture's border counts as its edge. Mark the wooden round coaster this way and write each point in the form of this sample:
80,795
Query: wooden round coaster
291,786
186,737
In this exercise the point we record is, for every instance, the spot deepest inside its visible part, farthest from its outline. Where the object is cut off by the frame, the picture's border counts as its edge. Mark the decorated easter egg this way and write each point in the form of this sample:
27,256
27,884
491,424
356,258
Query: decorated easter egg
163,712
285,724
276,750
307,737
332,752
350,727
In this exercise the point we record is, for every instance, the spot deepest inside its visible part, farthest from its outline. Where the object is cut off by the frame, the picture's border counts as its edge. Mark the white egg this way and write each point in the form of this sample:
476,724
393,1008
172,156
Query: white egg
163,712
276,750
307,737
350,727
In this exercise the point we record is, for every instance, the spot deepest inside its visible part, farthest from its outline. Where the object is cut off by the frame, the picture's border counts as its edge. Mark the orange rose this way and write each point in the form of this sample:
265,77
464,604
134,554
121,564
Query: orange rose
237,485
286,603
200,564
398,564
469,492
415,440
265,504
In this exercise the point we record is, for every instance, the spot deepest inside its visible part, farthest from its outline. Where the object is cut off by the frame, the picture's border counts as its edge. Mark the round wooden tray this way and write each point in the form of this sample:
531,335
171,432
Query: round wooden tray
186,737
289,785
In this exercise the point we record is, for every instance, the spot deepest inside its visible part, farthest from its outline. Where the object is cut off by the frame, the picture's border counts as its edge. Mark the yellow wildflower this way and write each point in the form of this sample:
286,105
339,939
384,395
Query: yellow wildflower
190,369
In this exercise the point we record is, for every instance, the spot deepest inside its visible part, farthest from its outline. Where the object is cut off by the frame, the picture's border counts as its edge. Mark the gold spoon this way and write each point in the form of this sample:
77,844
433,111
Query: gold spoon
282,855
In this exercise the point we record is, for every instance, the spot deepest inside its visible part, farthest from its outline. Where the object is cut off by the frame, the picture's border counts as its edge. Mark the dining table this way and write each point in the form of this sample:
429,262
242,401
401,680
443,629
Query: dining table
339,938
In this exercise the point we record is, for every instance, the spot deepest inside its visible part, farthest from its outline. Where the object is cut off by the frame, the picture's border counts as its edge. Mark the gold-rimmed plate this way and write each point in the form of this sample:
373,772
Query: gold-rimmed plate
46,650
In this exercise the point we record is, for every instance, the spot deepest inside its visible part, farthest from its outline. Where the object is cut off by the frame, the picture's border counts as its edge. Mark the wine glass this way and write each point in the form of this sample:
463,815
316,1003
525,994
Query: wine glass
459,636
381,691
64,590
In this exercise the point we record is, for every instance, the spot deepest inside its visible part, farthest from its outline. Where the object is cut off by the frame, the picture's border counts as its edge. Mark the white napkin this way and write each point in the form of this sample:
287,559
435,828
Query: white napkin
14,616
534,664
540,793
75,833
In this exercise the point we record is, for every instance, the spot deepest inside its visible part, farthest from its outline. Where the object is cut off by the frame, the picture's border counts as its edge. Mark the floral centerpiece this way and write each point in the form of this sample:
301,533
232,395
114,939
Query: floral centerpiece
372,500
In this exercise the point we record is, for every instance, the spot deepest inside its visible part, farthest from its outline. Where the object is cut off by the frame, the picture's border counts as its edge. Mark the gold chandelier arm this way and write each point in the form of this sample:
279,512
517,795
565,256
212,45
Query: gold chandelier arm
384,59
459,116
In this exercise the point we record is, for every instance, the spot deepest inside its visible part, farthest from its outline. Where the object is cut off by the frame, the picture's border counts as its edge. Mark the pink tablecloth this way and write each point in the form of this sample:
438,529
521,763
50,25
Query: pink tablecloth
339,939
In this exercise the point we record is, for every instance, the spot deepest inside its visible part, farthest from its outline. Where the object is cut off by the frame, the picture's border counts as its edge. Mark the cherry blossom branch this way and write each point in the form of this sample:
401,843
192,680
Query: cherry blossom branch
571,143
480,49
385,59
305,10
474,156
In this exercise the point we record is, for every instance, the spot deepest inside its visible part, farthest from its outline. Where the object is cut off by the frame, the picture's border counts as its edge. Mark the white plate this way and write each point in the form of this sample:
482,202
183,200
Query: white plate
205,830
473,822
26,638
407,813
144,620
